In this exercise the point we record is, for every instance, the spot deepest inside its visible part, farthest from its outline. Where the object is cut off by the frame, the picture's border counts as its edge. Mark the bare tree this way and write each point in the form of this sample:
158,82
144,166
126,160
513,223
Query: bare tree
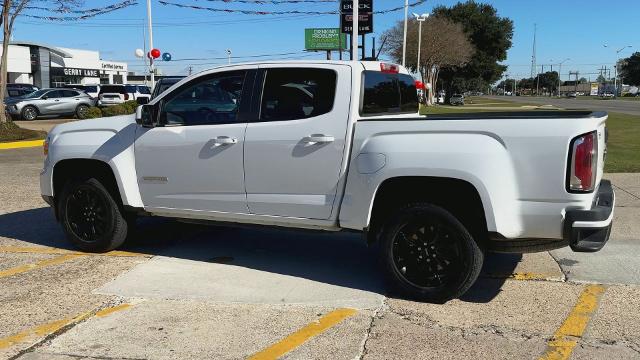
444,44
70,10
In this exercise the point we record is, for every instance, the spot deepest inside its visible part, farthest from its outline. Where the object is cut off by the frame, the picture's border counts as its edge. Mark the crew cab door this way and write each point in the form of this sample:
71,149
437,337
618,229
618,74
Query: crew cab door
294,150
192,161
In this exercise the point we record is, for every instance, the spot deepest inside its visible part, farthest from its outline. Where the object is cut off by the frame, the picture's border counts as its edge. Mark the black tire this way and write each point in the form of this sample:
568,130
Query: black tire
81,111
428,254
90,217
29,113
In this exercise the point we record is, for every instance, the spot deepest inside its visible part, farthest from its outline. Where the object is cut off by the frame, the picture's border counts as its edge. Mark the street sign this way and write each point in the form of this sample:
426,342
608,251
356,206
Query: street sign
365,16
324,39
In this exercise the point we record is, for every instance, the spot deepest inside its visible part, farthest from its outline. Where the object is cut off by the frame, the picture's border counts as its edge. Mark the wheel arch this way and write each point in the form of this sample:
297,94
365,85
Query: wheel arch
458,196
67,169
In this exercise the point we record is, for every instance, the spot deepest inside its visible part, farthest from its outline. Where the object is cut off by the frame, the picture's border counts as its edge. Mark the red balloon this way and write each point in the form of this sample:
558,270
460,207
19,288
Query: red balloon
155,53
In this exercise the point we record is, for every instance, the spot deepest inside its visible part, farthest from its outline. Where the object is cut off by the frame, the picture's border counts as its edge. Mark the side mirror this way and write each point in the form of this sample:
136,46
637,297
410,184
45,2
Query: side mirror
44,97
142,100
145,115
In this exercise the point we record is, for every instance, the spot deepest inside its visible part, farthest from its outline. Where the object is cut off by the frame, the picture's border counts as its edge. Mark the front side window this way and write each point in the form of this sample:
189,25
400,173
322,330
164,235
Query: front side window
291,94
54,94
214,100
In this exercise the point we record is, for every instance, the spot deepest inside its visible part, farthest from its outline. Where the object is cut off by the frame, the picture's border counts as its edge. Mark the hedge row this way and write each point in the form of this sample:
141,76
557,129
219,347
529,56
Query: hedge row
126,108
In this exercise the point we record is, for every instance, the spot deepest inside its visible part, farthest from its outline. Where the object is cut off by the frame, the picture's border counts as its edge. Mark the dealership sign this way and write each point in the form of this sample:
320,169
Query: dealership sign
75,72
324,39
365,16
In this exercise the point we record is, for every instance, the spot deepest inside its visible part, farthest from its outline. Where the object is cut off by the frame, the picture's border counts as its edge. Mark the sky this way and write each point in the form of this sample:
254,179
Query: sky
574,29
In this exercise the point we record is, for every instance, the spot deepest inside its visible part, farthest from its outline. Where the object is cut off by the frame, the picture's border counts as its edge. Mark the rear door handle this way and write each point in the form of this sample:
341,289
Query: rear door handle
319,139
224,140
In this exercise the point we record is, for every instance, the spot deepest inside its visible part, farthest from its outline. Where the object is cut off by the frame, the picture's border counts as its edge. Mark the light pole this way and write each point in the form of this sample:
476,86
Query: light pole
229,56
404,42
421,18
150,25
615,68
560,73
354,32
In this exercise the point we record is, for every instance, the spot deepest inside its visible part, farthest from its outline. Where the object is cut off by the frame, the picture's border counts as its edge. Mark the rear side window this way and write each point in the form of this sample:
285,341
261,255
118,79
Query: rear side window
388,93
69,93
297,93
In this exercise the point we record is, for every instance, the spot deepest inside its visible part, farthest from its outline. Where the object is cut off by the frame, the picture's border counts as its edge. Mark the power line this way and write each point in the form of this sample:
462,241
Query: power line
261,12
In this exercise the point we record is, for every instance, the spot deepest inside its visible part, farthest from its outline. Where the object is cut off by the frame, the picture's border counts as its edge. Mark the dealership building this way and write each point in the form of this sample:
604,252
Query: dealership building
48,66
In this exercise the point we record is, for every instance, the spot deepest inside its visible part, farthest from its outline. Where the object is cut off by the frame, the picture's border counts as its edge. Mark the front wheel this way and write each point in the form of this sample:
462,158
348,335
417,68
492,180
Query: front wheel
428,254
29,113
91,218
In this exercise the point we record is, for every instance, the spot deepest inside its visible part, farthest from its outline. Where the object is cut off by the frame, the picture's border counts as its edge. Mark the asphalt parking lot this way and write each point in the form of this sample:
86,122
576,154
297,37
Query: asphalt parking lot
192,291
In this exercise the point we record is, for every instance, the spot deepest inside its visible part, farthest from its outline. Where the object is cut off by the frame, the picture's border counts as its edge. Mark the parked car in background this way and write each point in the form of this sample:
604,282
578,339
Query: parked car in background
572,95
47,102
138,91
456,99
118,94
16,90
112,95
92,90
163,84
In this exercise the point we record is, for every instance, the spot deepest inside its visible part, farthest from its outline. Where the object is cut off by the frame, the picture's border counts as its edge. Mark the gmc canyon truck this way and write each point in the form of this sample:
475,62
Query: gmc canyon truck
338,146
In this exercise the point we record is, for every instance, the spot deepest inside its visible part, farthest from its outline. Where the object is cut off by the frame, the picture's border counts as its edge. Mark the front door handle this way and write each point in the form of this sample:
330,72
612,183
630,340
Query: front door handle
319,139
224,140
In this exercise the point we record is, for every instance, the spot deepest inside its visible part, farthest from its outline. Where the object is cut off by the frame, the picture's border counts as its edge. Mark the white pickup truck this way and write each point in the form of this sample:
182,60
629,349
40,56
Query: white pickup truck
338,146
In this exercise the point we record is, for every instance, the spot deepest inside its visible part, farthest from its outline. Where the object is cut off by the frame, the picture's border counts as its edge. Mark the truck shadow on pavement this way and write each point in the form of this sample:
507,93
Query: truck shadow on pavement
341,259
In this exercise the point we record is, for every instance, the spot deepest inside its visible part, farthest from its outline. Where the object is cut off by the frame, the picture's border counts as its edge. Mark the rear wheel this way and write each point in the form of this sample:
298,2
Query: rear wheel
428,254
91,218
29,113
81,111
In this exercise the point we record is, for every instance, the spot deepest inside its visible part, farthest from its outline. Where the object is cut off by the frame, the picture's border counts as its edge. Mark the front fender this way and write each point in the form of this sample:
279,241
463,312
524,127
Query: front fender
112,146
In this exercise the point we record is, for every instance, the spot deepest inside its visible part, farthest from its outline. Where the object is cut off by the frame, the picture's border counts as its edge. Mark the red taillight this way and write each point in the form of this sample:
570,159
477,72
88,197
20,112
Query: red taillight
389,68
419,84
584,161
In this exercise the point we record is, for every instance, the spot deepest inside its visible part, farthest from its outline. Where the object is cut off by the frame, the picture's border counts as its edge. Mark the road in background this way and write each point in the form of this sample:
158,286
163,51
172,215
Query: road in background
619,106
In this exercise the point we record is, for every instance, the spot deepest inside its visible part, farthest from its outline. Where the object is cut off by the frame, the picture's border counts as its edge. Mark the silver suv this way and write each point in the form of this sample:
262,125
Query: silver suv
50,102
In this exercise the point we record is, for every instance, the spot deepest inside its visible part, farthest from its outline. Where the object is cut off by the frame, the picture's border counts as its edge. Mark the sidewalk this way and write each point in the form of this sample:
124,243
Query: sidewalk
43,125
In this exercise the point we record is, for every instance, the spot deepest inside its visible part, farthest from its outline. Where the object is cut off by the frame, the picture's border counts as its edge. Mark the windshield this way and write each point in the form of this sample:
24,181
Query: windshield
36,94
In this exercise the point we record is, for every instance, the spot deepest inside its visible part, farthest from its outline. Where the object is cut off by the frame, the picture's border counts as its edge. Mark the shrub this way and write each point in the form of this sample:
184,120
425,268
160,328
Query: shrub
131,106
114,110
94,112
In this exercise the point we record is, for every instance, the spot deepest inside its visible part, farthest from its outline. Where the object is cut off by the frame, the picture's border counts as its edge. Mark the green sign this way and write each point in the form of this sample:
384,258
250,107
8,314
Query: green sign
324,39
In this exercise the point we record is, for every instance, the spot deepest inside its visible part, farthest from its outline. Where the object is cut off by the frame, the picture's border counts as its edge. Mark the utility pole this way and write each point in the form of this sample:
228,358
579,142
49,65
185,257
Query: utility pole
354,33
560,74
421,18
533,55
150,25
404,42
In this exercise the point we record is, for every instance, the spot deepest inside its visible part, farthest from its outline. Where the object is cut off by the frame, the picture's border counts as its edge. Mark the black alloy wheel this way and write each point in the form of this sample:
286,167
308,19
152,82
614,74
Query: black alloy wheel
87,214
91,217
428,254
